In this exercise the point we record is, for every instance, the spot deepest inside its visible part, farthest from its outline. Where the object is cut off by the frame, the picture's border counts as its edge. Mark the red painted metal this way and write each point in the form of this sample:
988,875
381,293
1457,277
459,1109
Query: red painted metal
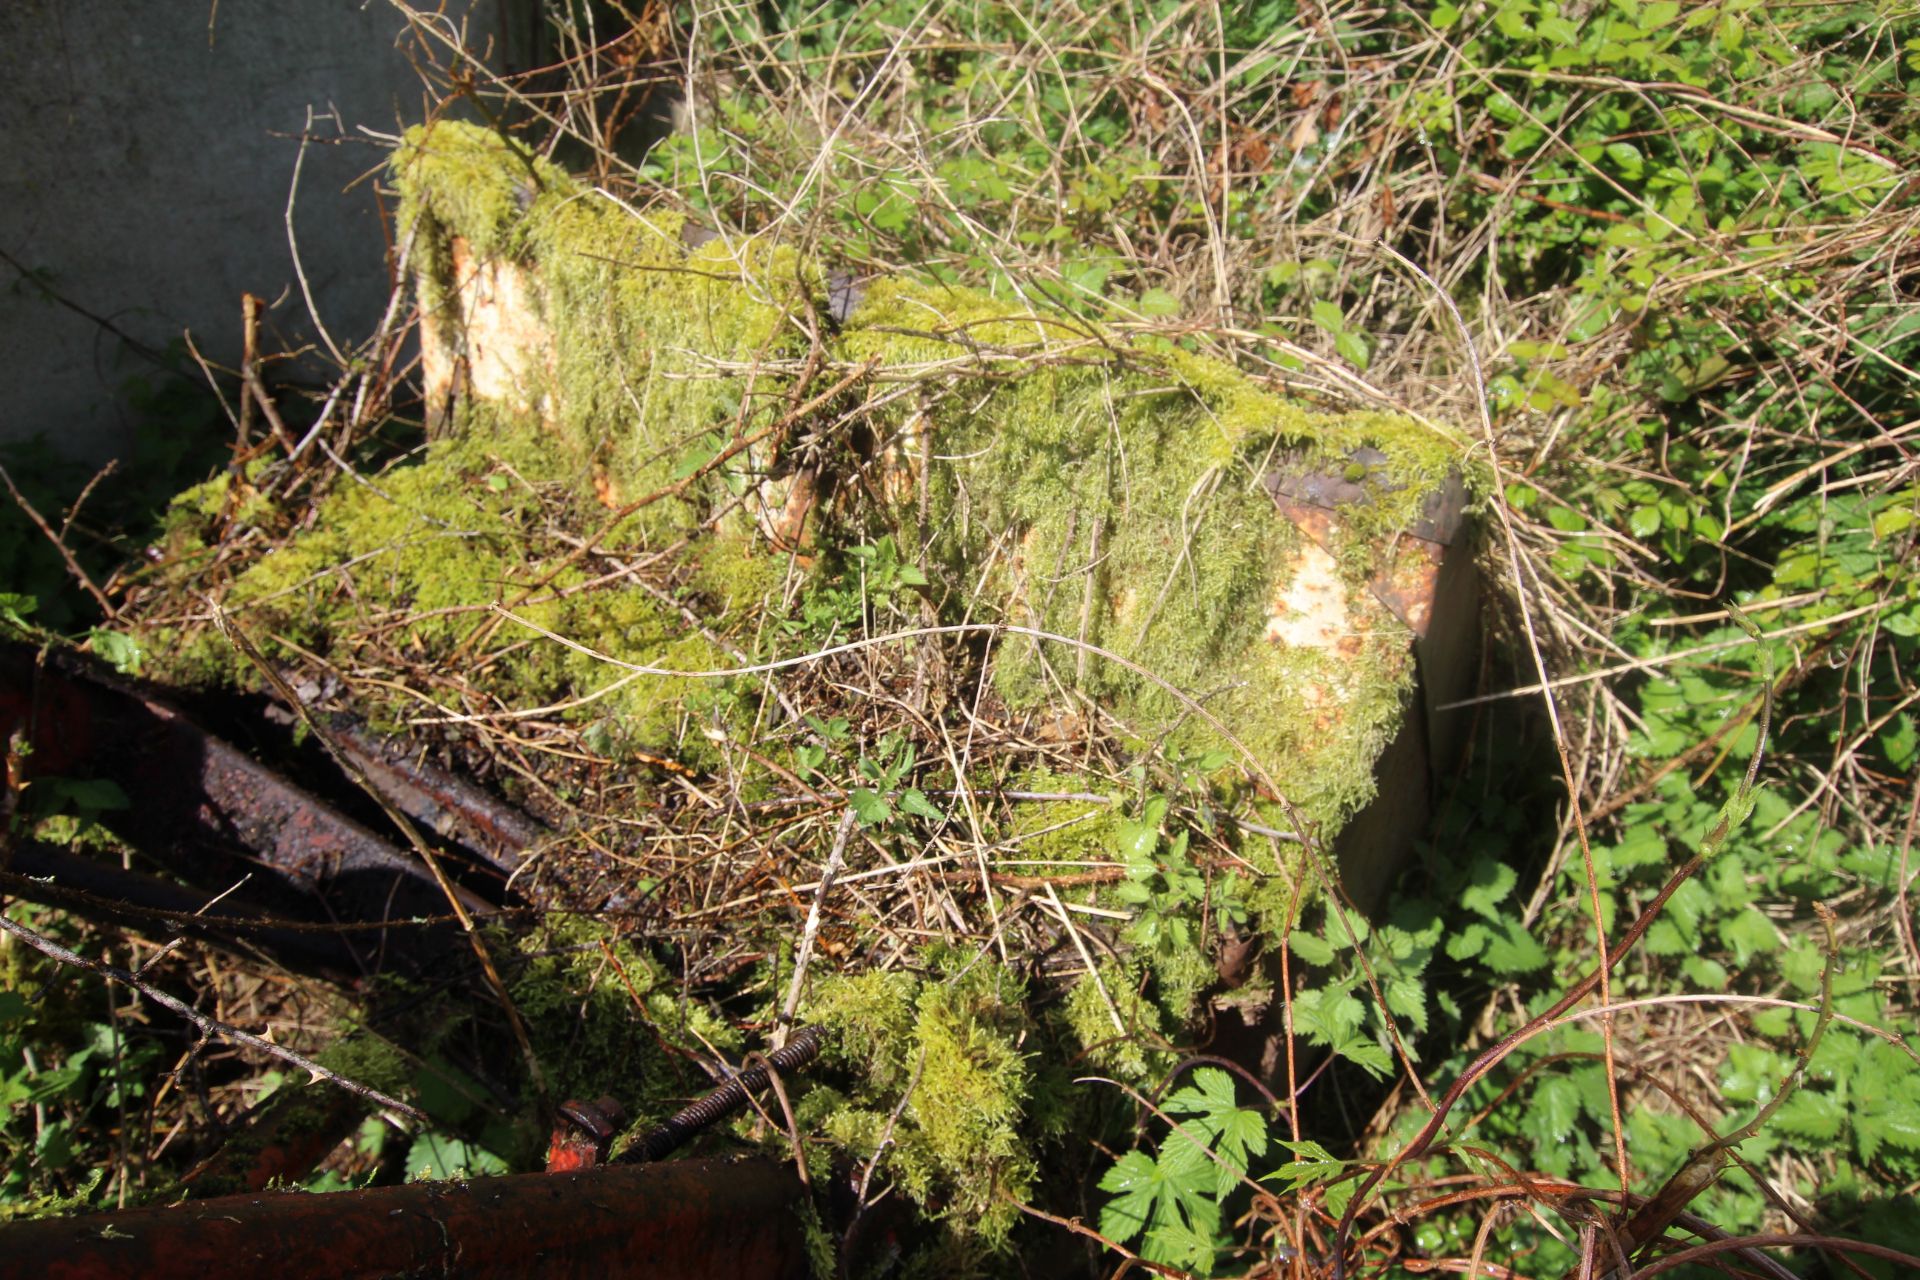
583,1133
684,1220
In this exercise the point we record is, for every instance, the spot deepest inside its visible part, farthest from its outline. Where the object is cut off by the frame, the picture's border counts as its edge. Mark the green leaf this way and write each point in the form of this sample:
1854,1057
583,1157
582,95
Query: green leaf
1468,943
1158,302
122,652
1811,1113
1328,316
1899,742
1138,840
1135,1177
1658,14
1549,1118
1558,30
86,795
437,1157
1627,160
1352,348
1310,948
870,807
52,1147
1642,846
1368,1054
1407,998
1489,881
15,609
914,801
704,450
1511,949
1749,932
1347,929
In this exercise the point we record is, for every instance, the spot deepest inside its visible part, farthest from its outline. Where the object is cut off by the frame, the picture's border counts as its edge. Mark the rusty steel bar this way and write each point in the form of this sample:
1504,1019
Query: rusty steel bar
445,803
686,1220
200,805
713,1107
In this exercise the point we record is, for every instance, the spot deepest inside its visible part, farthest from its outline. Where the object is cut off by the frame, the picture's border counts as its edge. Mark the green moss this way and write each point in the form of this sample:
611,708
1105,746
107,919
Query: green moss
601,1011
644,333
1041,831
1088,1013
411,563
959,1146
365,1058
1115,493
738,572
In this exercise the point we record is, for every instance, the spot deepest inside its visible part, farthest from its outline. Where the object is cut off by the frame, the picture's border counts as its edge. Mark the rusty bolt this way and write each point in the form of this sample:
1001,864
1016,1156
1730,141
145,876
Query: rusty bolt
583,1132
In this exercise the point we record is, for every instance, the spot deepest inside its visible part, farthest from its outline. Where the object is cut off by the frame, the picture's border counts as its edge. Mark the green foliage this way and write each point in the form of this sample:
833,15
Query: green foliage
884,772
70,1074
866,588
1172,1201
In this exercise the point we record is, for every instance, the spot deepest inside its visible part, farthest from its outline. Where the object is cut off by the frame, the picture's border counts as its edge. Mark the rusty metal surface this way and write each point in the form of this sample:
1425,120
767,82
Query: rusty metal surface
449,806
199,805
1362,479
1409,570
678,1221
723,1101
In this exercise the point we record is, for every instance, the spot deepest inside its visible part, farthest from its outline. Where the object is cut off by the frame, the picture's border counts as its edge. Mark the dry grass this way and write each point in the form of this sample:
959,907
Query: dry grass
1329,160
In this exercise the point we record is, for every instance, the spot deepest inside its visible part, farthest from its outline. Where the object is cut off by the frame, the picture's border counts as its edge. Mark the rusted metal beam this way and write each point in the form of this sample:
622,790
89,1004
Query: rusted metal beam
199,805
100,890
444,803
685,1220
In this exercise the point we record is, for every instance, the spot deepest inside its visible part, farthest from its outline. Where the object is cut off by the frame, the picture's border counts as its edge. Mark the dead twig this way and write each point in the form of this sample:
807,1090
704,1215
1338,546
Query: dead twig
208,1025
74,568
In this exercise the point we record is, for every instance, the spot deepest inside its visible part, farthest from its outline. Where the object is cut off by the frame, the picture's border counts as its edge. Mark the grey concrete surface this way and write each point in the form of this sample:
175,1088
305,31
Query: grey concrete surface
146,152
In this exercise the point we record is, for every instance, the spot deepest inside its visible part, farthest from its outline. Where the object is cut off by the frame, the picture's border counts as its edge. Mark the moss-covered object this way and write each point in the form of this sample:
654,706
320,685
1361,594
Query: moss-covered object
1057,477
683,457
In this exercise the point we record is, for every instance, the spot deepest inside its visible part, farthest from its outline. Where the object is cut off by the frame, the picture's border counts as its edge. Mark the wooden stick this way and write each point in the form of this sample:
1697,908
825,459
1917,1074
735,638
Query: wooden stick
209,1026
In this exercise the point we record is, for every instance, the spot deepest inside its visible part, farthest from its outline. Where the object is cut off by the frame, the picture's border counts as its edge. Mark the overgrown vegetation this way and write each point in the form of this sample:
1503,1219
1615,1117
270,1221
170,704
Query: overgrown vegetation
1658,260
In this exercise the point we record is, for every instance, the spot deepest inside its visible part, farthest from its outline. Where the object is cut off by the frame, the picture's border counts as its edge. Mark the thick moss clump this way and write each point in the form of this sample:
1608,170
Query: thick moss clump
1057,475
411,563
961,1145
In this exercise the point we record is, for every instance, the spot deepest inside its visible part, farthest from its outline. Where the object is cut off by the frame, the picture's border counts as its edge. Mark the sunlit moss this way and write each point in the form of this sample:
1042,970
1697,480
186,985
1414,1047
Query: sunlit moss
960,1145
1113,493
1090,1009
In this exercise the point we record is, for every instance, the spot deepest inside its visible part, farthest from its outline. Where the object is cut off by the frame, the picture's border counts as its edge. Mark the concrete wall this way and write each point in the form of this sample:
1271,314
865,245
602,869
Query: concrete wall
146,149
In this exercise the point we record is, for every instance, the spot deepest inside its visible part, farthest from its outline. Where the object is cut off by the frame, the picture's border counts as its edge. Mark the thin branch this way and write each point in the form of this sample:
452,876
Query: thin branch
209,1026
